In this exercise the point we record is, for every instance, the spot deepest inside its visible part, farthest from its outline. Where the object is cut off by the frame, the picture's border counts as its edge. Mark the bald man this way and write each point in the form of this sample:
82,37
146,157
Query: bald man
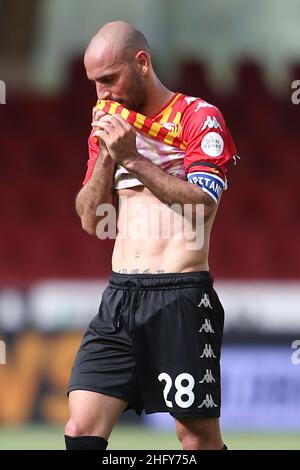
155,343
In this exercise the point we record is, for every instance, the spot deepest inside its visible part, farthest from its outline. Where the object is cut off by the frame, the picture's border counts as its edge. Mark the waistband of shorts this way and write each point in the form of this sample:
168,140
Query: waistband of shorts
160,280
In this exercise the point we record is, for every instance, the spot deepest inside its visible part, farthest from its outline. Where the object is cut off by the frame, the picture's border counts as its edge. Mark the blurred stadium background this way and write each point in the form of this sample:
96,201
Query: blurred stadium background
243,57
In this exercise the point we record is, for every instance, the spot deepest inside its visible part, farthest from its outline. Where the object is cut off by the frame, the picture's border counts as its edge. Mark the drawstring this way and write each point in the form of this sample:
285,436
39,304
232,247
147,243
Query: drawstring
137,284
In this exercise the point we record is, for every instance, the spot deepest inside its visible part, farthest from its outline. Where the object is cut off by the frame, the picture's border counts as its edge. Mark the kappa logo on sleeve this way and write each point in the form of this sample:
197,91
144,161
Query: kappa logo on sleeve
190,99
212,123
203,104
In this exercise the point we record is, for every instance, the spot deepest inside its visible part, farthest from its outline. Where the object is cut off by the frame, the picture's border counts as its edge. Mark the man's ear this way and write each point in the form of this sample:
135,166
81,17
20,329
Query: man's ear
143,62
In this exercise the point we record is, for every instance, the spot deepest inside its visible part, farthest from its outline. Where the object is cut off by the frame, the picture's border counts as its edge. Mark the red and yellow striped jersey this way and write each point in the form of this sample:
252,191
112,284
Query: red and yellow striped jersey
188,135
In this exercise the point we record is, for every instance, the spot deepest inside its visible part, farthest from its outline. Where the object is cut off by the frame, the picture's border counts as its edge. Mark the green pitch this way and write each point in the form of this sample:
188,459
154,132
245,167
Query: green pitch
136,437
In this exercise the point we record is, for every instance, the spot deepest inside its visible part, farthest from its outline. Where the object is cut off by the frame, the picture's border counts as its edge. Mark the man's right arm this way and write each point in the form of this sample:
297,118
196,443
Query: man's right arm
98,190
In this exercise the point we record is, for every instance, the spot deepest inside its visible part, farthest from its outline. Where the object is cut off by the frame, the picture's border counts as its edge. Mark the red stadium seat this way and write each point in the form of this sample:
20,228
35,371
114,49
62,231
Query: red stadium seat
43,148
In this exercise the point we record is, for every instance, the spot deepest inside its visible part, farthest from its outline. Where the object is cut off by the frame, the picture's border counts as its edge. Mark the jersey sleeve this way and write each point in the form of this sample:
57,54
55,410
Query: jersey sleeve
94,149
209,149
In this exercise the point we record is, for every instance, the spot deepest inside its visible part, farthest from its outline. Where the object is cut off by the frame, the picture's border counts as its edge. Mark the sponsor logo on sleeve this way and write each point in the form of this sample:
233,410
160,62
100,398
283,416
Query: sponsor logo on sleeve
212,144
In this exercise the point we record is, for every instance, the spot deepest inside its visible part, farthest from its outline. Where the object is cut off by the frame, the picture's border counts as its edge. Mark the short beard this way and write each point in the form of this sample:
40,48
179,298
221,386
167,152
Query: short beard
137,96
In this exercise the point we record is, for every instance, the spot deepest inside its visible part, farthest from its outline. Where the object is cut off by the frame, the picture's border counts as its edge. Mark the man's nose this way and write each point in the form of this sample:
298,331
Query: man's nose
102,94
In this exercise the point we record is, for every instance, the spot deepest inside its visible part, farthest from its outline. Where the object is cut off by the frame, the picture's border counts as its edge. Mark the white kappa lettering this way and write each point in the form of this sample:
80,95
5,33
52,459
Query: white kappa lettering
205,302
208,377
206,326
212,123
208,352
208,402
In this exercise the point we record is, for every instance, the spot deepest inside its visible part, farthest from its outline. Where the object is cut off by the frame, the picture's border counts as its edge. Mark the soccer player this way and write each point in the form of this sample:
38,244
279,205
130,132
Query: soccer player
161,159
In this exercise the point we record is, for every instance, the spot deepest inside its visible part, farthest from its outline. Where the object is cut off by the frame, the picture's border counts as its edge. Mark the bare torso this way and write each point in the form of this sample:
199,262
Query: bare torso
146,243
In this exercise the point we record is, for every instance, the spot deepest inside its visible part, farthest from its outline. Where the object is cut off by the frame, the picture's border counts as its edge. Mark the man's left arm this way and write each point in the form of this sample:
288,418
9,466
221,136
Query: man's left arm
167,188
120,139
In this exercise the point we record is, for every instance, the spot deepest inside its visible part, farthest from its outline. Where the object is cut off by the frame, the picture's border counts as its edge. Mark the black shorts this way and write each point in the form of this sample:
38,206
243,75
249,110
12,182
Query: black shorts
156,344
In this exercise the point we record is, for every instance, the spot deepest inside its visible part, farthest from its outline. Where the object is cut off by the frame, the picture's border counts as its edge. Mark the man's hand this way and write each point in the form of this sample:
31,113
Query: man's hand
118,136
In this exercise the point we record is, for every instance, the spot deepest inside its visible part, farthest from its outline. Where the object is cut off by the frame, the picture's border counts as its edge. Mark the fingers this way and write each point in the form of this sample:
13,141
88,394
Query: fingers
97,114
103,130
116,122
103,126
108,128
120,123
103,136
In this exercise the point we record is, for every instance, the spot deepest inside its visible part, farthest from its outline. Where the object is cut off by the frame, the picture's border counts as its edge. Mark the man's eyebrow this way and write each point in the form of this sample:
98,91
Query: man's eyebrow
107,75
